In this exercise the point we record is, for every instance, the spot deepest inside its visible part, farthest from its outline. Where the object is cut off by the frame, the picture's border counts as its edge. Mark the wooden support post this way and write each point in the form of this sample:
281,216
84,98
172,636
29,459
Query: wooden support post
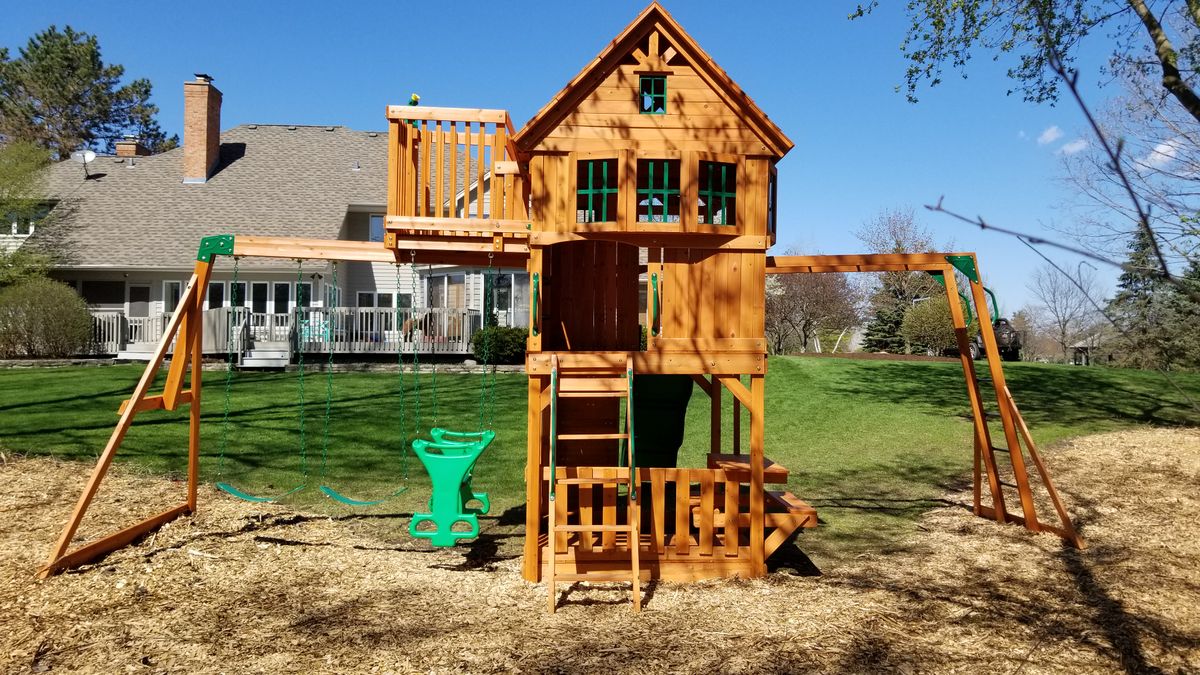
758,392
737,426
532,568
203,273
715,415
1006,416
58,551
983,438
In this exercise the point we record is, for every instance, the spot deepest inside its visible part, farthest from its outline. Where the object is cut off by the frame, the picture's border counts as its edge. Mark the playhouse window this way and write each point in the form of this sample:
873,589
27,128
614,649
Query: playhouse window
658,191
653,98
596,191
772,203
717,204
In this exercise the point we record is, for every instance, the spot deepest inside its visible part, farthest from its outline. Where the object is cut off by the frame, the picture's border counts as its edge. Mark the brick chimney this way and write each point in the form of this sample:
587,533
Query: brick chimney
131,146
201,128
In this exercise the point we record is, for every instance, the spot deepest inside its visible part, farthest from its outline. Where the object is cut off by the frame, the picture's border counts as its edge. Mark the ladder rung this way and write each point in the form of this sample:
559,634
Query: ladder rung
592,437
593,528
593,394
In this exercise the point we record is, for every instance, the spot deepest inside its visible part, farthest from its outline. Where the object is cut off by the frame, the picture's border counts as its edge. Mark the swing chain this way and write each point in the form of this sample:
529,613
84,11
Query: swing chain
400,370
330,295
300,364
233,312
416,367
488,308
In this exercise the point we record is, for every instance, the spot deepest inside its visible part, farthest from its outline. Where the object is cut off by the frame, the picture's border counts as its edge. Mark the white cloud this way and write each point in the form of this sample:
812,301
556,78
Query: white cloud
1075,146
1050,135
1163,154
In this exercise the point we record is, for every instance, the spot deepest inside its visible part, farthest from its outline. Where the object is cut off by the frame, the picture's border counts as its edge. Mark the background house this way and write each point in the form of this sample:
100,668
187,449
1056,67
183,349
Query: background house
128,228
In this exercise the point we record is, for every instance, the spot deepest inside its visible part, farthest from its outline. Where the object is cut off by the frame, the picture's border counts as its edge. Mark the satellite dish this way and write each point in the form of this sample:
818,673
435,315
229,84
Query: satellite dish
83,156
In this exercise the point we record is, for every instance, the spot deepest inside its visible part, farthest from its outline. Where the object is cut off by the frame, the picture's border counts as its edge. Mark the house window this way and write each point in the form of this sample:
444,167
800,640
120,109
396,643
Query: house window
283,295
717,204
596,191
237,294
216,295
258,297
404,300
304,294
653,99
375,230
658,191
502,293
366,299
171,292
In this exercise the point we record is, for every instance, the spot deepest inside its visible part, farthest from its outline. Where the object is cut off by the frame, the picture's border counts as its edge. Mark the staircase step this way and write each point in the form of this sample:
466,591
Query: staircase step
789,502
593,528
592,437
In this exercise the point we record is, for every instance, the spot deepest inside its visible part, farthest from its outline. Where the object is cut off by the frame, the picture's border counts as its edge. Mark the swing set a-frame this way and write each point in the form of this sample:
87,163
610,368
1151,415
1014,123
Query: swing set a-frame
651,154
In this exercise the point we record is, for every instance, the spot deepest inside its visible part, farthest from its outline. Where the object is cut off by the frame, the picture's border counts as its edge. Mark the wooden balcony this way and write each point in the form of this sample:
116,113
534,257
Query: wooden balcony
456,184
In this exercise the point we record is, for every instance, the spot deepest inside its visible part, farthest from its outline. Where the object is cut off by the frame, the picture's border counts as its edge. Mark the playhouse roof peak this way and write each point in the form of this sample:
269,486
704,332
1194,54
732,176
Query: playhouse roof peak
653,19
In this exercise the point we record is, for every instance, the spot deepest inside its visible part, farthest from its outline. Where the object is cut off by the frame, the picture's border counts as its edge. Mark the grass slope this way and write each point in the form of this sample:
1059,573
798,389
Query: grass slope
871,444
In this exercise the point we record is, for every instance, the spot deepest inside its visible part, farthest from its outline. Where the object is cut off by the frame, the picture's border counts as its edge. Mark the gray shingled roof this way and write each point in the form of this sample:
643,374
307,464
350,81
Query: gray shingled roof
295,181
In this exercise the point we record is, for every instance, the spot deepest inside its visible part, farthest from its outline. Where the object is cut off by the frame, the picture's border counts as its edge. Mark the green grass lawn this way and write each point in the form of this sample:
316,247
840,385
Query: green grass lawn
871,444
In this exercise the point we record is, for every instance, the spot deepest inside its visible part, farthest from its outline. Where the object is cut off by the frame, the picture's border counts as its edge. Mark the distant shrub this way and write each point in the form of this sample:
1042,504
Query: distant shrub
927,325
40,317
505,346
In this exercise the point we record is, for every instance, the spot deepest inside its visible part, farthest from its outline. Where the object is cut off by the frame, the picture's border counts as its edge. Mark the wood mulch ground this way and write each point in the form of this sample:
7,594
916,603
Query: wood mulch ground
252,588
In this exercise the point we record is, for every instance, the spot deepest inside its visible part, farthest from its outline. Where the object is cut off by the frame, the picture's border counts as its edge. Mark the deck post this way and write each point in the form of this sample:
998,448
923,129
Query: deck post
758,397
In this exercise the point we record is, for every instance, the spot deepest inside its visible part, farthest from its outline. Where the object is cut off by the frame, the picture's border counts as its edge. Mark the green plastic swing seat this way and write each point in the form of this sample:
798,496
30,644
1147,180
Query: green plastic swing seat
350,501
449,465
226,487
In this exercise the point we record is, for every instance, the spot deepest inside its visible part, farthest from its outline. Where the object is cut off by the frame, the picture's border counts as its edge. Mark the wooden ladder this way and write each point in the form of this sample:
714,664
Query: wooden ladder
594,384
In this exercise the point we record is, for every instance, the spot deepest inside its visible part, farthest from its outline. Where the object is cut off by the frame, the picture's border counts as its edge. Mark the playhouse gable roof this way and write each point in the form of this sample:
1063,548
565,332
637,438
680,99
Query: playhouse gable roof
654,22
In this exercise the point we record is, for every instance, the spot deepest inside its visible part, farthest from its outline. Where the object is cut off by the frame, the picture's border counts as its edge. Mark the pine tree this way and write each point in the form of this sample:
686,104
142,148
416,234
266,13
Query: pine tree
882,333
1142,308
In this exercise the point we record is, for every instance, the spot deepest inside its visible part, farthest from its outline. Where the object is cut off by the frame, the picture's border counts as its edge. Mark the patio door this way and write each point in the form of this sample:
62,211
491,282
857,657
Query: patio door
139,313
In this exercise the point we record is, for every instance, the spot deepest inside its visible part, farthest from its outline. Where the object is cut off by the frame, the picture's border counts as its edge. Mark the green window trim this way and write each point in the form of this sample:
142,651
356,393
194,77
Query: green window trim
659,191
652,95
592,193
718,193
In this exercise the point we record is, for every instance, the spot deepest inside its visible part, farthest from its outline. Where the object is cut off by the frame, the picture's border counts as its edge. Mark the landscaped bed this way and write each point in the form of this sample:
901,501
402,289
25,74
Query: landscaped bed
249,587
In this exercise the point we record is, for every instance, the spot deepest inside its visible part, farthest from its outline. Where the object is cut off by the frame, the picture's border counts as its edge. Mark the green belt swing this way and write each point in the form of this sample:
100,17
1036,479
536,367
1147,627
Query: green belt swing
329,491
228,487
450,461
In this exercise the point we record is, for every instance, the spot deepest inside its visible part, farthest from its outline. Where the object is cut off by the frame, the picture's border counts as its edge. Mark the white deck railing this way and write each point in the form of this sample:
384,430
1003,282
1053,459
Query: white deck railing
343,330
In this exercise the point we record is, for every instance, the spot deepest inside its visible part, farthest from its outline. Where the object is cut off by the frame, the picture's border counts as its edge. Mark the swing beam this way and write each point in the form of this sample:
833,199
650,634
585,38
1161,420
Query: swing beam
183,340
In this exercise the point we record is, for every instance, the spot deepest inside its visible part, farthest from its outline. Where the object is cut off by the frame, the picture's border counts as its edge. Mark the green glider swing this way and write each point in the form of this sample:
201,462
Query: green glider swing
229,341
451,456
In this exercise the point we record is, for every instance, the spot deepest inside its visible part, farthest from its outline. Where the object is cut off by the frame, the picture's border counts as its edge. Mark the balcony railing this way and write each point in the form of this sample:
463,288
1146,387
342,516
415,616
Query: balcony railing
342,330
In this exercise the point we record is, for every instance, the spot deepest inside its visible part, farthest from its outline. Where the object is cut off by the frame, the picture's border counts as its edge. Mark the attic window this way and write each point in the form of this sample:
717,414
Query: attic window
653,99
596,191
658,191
718,193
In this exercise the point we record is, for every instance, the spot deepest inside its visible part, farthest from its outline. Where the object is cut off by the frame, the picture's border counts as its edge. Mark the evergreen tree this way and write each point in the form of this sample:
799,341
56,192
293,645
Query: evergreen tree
1142,307
882,334
60,94
1184,313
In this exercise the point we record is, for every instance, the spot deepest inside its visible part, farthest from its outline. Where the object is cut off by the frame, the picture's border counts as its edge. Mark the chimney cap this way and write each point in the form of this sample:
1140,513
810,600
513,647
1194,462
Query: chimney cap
204,77
130,137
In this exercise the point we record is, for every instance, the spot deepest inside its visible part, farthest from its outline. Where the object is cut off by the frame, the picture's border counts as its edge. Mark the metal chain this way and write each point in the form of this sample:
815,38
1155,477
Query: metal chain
300,361
233,306
488,303
416,368
328,371
433,376
399,327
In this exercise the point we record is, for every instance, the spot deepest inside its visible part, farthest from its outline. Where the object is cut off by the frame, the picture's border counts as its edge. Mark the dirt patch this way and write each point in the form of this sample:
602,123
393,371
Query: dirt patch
252,588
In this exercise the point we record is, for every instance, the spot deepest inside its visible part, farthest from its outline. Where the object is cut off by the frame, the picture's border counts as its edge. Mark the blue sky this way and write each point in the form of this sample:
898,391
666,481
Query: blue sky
829,83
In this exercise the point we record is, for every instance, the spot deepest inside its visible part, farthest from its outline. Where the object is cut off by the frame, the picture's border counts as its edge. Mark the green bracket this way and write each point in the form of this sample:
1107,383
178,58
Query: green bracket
966,265
218,244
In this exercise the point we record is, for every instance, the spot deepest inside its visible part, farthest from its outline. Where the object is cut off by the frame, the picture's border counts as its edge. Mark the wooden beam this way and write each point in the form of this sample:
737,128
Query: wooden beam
734,384
879,262
538,363
155,402
204,274
703,383
654,239
432,251
757,407
520,227
419,112
112,542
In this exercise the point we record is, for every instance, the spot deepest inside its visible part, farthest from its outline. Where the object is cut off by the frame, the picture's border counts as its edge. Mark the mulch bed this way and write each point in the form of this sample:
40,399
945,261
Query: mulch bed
251,588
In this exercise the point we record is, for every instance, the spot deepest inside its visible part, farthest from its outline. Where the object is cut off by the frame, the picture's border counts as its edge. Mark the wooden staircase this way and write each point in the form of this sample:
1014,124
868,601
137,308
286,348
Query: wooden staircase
594,383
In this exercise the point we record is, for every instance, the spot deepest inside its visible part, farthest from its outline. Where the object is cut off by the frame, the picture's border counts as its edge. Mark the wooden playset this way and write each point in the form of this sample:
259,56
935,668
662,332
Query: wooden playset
650,171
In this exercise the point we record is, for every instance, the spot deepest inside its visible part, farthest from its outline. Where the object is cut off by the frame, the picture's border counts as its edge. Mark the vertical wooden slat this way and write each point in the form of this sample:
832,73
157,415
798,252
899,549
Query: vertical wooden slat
706,511
715,412
731,517
561,498
453,168
427,152
609,539
658,505
440,174
496,193
757,507
532,570
479,170
393,192
585,509
683,511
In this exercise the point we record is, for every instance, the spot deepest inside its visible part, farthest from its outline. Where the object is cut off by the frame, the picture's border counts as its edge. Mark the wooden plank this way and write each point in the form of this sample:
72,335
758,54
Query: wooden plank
739,468
731,517
714,433
531,565
734,384
553,144
155,402
418,112
488,225
706,513
683,511
561,499
393,186
658,362
757,459
112,542
671,239
481,166
658,505
440,174
737,426
585,509
683,344
878,262
608,539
